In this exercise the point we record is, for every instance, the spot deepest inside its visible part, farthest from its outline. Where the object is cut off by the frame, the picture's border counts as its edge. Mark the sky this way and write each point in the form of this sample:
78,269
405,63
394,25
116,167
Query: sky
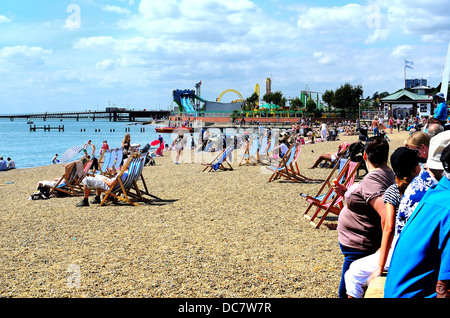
60,55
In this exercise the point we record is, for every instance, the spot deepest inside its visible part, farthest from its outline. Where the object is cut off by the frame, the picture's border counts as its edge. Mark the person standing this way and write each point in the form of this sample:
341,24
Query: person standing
375,124
323,131
441,110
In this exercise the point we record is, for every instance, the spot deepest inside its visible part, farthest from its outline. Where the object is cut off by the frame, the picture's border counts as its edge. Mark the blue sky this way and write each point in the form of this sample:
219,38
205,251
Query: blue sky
88,54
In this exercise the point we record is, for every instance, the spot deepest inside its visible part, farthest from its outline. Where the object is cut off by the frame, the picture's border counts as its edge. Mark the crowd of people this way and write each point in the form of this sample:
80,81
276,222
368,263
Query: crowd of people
396,218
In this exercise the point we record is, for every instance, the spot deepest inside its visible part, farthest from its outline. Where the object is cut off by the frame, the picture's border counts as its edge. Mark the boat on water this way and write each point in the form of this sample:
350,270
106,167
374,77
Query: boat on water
172,129
29,122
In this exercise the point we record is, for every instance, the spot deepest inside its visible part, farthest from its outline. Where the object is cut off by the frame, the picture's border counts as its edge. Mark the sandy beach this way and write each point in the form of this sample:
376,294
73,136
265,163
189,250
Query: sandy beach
216,234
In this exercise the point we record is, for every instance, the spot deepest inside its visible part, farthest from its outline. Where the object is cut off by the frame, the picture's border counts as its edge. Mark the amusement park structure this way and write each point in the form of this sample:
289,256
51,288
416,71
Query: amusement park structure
190,102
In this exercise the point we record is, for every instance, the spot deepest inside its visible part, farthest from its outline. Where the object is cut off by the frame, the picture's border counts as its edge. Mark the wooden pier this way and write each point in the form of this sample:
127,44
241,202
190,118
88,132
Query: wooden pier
46,128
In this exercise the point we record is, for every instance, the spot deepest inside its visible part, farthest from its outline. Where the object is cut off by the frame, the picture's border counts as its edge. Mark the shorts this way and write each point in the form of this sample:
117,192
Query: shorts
49,184
94,182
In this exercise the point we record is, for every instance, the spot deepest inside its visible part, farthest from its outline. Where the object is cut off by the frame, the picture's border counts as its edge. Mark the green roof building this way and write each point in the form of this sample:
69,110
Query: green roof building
405,104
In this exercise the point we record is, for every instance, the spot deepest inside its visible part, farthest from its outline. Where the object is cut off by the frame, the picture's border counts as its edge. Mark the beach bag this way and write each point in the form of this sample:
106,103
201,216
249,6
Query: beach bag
38,195
45,191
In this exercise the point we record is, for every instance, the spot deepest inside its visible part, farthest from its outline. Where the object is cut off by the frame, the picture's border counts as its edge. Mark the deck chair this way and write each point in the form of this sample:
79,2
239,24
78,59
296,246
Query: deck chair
284,167
251,152
262,151
112,161
77,185
271,145
124,187
104,159
294,173
70,182
329,201
219,161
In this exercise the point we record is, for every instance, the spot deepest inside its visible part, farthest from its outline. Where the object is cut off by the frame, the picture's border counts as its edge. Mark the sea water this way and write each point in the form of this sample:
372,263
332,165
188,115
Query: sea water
37,148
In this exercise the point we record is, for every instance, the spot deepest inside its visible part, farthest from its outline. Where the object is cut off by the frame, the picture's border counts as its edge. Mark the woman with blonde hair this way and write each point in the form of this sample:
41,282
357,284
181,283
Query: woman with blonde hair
419,141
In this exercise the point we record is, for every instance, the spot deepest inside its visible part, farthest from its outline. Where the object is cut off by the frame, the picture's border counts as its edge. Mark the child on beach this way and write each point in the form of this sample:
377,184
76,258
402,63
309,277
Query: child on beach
85,147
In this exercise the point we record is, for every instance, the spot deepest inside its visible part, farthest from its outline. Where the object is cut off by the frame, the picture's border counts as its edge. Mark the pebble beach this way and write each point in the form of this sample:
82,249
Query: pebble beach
219,234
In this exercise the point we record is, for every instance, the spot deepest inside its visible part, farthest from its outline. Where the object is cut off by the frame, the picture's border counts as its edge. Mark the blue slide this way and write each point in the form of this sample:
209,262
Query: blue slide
187,105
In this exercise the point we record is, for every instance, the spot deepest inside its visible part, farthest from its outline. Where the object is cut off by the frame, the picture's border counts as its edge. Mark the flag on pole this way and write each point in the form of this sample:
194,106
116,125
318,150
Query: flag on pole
409,64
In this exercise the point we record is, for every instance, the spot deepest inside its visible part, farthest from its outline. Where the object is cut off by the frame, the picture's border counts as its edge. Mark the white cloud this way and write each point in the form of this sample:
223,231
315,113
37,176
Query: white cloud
24,55
332,18
115,9
402,51
4,19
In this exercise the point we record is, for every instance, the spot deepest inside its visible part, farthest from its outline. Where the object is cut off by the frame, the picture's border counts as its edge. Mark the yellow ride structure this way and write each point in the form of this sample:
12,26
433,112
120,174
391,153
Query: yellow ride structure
241,99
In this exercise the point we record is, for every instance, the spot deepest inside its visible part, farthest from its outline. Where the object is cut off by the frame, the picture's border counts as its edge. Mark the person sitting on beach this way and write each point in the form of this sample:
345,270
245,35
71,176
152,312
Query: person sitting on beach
406,165
332,156
11,164
420,261
3,165
310,138
99,183
360,220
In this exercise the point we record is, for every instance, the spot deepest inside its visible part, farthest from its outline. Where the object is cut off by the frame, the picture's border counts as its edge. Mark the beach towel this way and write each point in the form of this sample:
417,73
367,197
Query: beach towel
80,168
70,153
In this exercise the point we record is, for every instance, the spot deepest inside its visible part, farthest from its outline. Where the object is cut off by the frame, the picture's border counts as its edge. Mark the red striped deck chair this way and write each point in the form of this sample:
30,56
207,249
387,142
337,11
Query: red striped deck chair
328,200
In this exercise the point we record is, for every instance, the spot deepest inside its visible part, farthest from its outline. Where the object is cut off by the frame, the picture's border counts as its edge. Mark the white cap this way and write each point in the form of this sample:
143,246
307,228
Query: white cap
437,144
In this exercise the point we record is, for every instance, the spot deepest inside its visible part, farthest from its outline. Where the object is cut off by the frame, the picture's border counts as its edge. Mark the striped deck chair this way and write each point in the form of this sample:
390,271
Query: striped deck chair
77,182
330,201
251,152
282,168
66,183
272,144
262,151
112,161
125,187
218,162
103,160
294,173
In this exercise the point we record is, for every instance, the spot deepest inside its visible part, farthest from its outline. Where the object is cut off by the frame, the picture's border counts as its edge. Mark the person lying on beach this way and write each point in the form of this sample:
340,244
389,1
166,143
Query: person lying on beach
52,183
332,156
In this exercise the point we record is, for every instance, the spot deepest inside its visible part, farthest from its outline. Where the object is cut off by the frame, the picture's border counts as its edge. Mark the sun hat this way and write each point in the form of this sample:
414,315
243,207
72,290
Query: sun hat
437,145
440,95
403,161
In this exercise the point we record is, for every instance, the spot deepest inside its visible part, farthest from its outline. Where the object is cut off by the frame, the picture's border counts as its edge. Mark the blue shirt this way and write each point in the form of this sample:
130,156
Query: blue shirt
421,256
3,165
411,198
441,111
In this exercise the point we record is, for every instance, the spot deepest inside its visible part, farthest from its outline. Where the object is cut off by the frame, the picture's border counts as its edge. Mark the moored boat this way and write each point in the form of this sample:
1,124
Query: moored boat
172,129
